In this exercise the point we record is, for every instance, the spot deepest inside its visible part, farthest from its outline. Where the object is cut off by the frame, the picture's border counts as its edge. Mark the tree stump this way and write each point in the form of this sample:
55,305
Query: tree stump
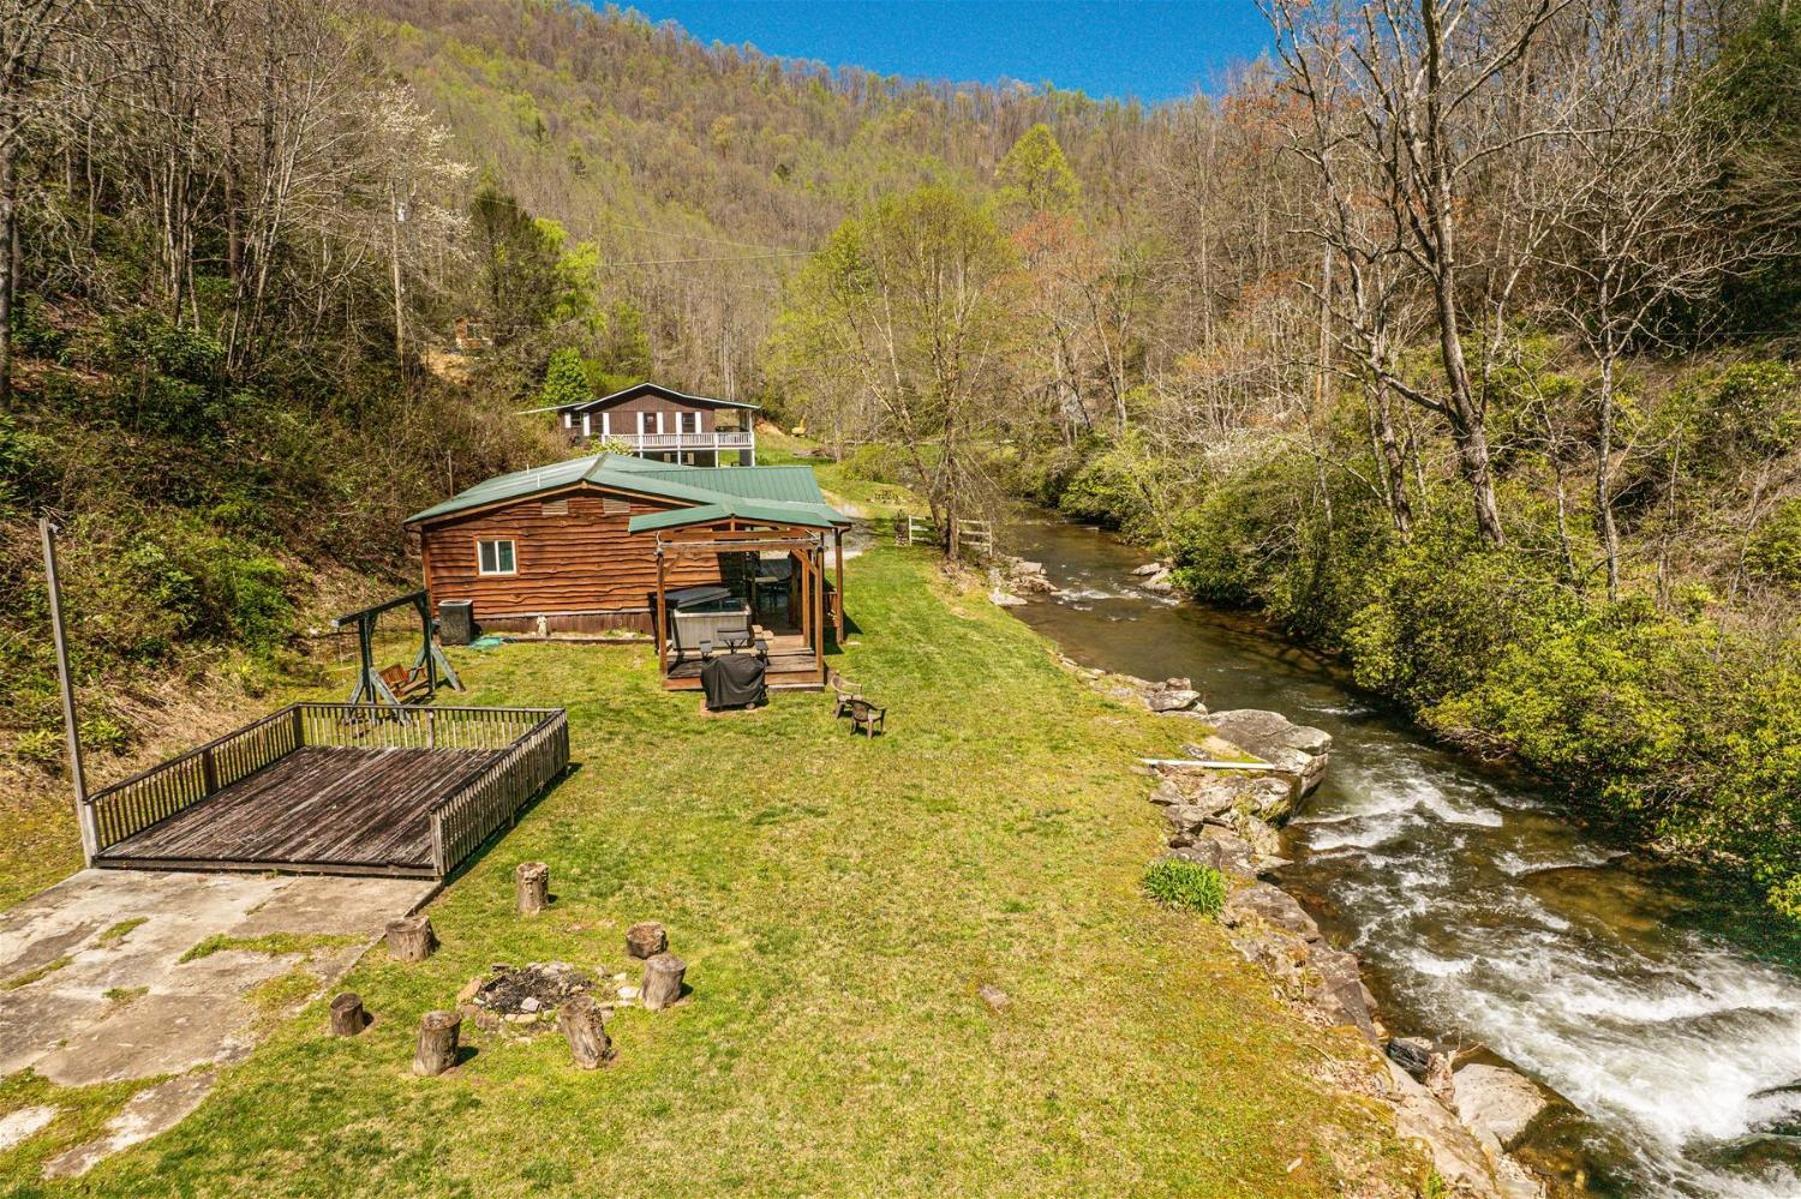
581,1022
662,981
347,1015
410,939
646,939
437,1050
531,882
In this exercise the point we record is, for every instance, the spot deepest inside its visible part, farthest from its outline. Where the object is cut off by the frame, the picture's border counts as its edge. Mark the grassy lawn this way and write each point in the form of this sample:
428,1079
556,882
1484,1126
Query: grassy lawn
838,901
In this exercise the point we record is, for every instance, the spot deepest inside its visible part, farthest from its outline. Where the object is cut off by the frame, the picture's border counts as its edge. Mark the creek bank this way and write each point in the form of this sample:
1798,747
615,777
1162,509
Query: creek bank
1466,1117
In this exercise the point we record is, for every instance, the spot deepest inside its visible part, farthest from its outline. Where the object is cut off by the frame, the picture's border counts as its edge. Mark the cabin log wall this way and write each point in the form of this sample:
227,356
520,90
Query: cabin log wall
582,563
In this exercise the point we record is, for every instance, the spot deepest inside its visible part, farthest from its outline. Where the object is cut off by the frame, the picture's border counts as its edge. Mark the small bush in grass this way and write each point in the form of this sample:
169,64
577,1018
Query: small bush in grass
1189,886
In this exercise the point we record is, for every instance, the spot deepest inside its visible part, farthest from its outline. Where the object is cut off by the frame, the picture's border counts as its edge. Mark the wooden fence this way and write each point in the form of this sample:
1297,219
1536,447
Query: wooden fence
972,536
535,741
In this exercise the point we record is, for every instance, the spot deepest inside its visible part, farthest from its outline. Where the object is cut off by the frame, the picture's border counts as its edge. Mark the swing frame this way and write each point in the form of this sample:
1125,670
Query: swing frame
370,687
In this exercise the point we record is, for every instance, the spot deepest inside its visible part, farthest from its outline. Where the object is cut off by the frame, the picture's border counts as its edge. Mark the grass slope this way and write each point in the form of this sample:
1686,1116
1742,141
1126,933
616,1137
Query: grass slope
838,902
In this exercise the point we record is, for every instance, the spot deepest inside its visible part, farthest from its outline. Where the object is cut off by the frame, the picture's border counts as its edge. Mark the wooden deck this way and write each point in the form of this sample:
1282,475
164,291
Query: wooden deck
318,808
335,788
792,666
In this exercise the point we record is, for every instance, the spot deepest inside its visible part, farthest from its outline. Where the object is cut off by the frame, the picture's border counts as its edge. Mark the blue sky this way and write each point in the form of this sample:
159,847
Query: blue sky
1151,49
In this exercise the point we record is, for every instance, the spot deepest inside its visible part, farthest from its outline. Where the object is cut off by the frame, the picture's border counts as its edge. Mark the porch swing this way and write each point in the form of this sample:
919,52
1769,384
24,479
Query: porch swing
397,684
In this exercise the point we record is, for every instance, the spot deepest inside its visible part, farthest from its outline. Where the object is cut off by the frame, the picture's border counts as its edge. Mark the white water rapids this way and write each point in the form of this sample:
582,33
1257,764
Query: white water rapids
1485,917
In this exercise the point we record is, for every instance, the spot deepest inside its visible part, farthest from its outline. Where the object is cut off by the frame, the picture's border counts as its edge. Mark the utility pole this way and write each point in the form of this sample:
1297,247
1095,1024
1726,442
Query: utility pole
84,815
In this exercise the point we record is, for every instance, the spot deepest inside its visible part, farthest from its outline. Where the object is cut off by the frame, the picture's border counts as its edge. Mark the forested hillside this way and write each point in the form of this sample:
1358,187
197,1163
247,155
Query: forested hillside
1458,339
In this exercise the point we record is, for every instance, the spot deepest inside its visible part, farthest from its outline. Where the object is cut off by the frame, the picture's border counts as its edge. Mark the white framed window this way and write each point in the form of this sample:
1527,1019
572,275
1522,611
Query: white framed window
643,423
495,558
687,422
587,425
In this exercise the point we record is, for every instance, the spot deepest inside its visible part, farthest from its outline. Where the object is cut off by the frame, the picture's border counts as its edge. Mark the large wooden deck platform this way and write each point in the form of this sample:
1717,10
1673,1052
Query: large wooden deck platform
335,788
319,808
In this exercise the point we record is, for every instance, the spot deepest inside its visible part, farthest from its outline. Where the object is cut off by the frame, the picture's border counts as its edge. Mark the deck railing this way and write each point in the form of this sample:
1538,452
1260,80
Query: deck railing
462,822
382,726
536,741
165,789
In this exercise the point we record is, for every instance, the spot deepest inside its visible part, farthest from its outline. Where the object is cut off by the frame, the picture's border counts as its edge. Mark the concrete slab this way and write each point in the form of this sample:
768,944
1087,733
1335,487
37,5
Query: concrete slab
317,905
157,1034
25,1123
151,1111
125,1006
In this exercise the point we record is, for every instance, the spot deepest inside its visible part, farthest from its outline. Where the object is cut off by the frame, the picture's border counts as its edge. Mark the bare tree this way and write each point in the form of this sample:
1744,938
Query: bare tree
1638,225
1413,90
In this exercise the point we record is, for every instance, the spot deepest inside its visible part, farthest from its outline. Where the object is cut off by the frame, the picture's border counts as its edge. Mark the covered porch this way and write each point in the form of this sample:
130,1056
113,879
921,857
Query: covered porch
791,634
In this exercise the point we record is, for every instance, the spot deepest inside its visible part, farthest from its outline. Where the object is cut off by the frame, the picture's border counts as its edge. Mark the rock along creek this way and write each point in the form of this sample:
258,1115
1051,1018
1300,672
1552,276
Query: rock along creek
1667,1015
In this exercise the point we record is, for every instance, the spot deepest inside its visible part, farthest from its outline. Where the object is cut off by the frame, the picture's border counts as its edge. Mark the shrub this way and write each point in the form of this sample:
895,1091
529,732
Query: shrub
1187,886
1775,551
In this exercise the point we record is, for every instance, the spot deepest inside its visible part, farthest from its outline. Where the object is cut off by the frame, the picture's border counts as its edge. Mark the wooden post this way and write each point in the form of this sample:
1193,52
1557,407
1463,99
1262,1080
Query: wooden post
347,1015
531,886
662,616
437,1050
662,981
838,554
646,939
582,1025
410,939
818,556
84,812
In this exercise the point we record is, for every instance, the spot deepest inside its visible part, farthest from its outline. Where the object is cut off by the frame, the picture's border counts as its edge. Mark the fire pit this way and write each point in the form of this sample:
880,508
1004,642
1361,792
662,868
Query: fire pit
514,998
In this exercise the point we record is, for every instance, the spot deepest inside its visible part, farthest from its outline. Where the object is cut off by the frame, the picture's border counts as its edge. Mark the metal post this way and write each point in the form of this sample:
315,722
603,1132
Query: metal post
84,813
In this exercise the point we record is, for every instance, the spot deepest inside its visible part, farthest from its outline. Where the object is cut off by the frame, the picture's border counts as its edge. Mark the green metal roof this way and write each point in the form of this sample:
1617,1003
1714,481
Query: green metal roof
765,494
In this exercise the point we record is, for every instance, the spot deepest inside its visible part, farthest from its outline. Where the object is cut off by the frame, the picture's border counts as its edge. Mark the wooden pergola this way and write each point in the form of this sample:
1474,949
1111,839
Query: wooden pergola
796,660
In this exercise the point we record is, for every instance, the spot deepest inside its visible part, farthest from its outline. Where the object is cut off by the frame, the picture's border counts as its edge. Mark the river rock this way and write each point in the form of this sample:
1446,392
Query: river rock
1296,750
1004,599
1268,799
1186,819
1336,990
1167,699
1273,906
1149,568
1220,849
1160,583
1028,578
1456,1155
1497,1101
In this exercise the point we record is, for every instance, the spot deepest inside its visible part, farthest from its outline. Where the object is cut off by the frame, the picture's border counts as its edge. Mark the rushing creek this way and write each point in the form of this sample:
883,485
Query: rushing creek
1668,1015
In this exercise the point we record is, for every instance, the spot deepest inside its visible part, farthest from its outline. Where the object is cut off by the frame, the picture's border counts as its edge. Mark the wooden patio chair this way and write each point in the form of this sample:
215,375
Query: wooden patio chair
866,717
844,692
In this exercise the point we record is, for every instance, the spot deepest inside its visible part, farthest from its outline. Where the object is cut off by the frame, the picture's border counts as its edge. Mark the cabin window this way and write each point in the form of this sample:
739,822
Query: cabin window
587,425
687,422
495,557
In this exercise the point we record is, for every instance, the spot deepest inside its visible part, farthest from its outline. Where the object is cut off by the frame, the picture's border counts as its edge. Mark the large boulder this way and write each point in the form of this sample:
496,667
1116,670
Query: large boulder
1337,993
1298,751
1456,1155
1219,848
1496,1101
1273,906
1171,698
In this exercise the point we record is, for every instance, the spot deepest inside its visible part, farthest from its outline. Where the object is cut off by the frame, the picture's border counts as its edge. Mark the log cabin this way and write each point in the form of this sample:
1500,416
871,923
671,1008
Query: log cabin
660,423
617,542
